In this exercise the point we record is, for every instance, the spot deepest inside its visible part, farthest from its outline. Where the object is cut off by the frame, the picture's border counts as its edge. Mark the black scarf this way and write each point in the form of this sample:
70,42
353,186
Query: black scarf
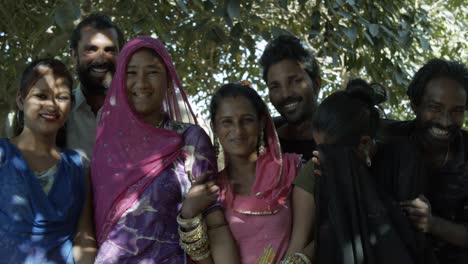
356,221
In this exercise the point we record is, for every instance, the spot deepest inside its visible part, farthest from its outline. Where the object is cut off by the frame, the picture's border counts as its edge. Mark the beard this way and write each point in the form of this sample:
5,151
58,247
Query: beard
95,84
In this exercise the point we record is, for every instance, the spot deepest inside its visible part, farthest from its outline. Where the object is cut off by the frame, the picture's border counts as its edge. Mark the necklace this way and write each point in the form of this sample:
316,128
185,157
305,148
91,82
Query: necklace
446,156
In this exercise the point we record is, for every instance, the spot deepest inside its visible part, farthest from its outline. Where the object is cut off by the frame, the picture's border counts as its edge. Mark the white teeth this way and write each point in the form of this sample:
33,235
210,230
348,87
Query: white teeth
99,70
439,132
290,106
49,116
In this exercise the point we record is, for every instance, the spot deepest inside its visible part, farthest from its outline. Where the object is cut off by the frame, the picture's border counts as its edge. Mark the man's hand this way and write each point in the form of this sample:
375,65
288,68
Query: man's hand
419,212
199,197
316,161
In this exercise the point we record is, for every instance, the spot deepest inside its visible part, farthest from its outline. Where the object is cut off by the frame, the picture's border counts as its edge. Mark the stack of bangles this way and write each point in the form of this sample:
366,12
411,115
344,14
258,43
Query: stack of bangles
193,235
296,258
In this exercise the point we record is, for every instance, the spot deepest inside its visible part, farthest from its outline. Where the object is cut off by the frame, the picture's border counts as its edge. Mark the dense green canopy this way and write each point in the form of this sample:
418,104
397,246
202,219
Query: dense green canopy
215,41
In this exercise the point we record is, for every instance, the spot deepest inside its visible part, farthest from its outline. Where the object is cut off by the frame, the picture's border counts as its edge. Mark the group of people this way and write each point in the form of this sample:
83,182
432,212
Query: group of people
117,170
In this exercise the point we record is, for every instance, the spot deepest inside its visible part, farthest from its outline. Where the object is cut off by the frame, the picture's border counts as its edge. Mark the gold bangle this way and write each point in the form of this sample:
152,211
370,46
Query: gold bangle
201,256
189,223
303,257
193,235
193,248
296,258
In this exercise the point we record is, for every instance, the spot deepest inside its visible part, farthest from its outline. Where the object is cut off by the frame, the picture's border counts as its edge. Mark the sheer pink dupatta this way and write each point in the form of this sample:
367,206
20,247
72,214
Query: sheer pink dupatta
129,153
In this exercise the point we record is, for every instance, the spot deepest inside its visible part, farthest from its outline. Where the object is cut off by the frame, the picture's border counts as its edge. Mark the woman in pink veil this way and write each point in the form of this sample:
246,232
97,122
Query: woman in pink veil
148,153
257,179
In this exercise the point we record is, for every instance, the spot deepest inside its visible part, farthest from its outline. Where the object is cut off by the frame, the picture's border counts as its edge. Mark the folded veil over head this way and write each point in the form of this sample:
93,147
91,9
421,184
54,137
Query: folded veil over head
130,153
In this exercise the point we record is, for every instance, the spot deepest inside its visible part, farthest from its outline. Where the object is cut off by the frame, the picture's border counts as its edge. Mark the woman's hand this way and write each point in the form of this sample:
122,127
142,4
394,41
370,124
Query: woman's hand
199,197
419,212
316,161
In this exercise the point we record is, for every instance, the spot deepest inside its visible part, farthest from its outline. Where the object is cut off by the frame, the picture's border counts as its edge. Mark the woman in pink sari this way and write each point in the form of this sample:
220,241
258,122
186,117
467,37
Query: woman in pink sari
146,158
257,179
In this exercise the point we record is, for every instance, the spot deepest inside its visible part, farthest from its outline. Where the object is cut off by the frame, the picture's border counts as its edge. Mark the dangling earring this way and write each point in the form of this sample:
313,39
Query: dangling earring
261,145
216,145
368,160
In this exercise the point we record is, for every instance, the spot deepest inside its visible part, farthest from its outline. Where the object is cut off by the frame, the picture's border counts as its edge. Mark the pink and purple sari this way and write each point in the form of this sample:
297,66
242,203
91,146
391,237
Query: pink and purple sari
141,173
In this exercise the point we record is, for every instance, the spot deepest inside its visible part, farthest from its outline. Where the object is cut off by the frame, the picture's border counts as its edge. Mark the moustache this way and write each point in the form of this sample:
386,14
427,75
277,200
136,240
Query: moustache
107,65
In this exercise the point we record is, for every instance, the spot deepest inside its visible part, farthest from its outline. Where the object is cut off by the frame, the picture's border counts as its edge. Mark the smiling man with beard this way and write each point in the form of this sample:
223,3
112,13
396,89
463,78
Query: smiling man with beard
94,44
438,95
292,75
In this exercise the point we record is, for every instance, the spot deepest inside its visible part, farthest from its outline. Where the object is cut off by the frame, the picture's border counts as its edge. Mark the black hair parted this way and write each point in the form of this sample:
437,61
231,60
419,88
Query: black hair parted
289,47
434,69
97,21
345,116
235,90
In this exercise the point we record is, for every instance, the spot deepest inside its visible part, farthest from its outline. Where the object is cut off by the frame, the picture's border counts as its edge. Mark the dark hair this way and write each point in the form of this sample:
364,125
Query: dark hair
30,76
289,47
345,116
234,90
96,21
434,69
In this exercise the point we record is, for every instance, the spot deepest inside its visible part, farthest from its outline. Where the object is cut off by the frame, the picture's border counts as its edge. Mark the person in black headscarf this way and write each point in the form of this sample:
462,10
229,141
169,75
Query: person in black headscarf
344,213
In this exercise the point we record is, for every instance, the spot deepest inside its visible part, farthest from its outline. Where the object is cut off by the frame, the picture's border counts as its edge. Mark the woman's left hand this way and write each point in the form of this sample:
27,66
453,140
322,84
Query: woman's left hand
199,197
419,212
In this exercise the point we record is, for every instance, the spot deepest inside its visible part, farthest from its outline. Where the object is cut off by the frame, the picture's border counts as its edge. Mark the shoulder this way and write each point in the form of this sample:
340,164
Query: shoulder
4,149
393,129
75,158
306,177
185,129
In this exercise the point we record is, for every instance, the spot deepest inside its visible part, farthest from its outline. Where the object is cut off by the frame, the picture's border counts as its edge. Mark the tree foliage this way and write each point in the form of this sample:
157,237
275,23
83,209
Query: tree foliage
215,41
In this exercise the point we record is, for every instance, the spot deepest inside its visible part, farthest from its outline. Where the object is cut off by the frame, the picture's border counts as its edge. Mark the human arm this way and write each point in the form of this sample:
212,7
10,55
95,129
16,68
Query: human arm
420,213
222,246
203,197
84,244
303,208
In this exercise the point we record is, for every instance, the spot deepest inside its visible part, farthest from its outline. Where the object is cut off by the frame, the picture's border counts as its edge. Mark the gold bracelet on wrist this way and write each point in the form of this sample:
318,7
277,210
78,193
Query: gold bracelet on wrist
193,235
195,246
296,258
201,256
189,223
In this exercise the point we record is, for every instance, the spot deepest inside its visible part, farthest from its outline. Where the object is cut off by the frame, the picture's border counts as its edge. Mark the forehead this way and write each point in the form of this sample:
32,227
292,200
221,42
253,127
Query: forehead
445,90
98,37
48,80
284,69
145,57
235,106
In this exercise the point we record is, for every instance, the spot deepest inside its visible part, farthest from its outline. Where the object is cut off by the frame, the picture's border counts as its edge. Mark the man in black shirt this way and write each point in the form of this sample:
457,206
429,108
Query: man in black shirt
292,75
438,95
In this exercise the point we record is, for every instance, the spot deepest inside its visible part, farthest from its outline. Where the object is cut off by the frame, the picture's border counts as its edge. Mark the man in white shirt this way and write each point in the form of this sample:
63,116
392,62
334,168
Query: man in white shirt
95,44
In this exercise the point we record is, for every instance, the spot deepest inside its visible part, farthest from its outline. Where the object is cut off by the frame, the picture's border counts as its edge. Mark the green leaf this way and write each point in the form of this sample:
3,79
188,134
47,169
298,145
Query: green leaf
351,33
374,29
351,2
424,43
66,14
182,6
233,8
276,31
283,4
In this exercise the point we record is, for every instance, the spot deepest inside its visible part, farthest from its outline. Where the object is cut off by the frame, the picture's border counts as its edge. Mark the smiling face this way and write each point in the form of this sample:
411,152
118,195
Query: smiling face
96,56
292,91
237,126
441,111
147,83
47,103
